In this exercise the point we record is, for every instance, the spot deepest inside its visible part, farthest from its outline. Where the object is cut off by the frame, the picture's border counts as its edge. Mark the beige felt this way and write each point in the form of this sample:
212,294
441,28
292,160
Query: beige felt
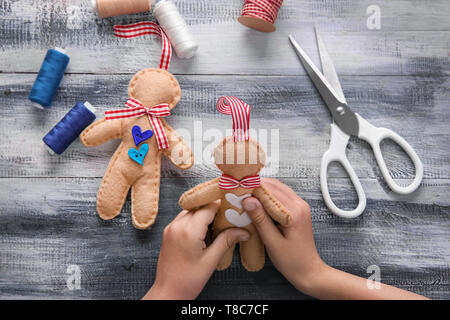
100,132
201,195
178,152
145,200
155,86
123,173
111,195
239,159
273,207
252,251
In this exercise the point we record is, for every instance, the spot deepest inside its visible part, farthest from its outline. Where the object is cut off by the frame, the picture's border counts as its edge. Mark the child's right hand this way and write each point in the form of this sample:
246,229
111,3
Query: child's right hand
294,254
291,249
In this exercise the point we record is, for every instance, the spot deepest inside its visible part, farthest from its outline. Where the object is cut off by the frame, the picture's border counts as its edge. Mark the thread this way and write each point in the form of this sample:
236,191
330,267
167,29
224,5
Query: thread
176,29
260,14
49,77
69,127
112,8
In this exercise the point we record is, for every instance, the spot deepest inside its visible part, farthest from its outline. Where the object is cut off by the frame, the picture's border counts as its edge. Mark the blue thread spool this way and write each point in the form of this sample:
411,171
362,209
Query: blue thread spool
69,128
49,77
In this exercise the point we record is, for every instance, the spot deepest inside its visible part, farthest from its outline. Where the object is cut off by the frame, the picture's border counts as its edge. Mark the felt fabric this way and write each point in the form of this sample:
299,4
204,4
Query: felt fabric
155,86
240,163
209,191
134,108
152,87
239,159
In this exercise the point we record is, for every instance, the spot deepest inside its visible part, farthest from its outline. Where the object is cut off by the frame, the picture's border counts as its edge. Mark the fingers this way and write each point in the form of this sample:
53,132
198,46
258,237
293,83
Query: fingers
224,241
282,192
298,207
279,189
180,215
266,227
205,215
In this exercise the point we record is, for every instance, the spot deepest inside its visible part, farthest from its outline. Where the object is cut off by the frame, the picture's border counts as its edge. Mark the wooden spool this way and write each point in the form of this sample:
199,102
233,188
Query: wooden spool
112,8
257,24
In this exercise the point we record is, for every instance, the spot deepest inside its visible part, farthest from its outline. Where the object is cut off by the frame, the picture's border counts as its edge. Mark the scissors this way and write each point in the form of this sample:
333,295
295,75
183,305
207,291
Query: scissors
346,123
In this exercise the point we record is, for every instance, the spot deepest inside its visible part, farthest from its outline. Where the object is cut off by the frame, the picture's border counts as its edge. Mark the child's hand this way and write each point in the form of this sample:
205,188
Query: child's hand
293,252
291,249
185,263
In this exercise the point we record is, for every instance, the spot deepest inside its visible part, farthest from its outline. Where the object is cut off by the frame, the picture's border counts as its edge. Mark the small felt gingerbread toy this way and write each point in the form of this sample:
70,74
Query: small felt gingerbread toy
146,136
240,159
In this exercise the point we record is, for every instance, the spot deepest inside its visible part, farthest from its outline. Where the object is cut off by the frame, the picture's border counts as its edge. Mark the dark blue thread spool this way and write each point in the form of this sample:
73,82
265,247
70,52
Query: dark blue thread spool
69,128
49,77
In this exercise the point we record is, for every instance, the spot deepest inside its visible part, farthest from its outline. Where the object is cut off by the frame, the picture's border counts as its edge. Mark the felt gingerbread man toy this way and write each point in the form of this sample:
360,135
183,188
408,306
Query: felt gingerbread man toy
240,159
145,136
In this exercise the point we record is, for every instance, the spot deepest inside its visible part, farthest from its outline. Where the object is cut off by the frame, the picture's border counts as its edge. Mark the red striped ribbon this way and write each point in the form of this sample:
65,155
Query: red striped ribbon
262,9
143,28
135,108
240,112
227,182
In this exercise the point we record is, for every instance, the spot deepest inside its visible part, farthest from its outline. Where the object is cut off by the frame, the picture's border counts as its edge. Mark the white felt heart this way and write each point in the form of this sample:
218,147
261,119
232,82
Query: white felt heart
239,220
236,201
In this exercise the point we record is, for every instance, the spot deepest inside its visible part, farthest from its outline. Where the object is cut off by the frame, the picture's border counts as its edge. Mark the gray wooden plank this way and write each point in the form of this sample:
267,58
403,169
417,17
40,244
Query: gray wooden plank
48,203
406,44
49,224
415,107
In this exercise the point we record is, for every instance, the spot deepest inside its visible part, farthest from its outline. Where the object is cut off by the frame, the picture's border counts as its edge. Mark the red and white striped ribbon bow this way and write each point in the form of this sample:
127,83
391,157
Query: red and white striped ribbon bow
143,28
227,182
240,112
262,9
135,108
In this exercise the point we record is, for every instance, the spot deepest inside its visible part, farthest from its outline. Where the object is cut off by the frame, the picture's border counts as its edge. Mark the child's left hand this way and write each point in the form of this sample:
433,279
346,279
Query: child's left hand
185,263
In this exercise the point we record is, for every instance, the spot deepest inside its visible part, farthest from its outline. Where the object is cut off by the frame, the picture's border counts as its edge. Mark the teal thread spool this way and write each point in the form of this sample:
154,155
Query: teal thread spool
49,77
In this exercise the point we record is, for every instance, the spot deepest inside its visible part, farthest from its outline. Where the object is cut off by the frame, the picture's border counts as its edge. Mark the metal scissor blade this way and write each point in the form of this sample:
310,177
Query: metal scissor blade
328,67
341,113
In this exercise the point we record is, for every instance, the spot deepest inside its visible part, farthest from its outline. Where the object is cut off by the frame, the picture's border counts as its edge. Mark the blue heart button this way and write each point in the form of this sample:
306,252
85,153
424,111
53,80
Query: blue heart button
139,155
140,136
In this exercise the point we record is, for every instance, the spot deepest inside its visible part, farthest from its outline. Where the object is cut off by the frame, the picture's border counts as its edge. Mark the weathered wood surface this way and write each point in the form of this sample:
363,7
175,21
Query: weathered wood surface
407,43
417,109
395,77
48,224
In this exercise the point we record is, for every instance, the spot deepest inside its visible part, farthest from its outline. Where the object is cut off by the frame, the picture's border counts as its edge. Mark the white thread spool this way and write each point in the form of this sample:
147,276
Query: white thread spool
176,29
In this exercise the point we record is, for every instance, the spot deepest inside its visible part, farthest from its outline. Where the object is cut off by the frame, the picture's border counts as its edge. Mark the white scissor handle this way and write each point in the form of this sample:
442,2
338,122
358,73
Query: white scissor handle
374,136
336,153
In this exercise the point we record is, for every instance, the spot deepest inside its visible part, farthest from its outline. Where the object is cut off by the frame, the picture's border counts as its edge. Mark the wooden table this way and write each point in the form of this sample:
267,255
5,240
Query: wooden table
396,76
